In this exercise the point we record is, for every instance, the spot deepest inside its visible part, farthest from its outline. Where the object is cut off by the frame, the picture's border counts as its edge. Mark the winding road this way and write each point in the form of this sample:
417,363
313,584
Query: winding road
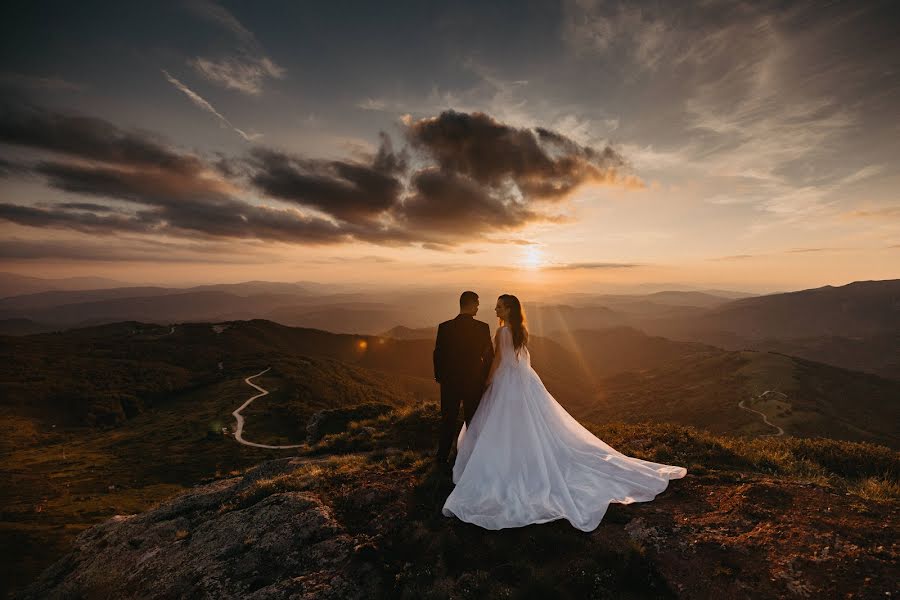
239,431
764,418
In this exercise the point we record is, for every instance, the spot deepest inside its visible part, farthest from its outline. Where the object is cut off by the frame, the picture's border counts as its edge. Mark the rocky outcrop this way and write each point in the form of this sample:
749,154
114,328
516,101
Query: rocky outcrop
286,545
358,516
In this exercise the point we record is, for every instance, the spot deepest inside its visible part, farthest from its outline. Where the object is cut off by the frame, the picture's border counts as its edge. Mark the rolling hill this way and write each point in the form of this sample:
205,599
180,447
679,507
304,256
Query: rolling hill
807,399
858,309
113,418
106,374
877,353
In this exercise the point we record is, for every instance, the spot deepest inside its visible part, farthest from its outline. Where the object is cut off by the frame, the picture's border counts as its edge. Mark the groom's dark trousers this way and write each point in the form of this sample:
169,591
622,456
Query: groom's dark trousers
463,354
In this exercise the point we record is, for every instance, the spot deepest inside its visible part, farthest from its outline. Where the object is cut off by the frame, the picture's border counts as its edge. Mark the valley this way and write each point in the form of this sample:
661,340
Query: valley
116,417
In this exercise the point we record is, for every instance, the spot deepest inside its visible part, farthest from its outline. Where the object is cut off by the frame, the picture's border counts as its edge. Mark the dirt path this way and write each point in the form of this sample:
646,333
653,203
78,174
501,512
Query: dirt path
764,418
239,431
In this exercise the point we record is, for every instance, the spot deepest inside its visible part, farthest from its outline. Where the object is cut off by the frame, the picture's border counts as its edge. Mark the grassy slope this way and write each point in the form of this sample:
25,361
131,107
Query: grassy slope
760,517
747,512
753,518
62,480
59,478
704,389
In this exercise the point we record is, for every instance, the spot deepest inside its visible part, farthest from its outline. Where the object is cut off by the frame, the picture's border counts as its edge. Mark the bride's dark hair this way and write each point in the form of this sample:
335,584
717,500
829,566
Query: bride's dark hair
516,320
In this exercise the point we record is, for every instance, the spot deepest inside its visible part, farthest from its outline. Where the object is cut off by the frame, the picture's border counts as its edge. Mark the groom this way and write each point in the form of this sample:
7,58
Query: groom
463,354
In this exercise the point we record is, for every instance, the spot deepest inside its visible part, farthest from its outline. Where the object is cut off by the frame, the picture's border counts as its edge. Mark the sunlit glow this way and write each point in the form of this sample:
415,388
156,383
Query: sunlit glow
363,344
533,258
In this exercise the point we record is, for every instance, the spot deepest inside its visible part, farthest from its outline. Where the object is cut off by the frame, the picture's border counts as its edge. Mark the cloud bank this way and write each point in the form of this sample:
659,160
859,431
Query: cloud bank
458,178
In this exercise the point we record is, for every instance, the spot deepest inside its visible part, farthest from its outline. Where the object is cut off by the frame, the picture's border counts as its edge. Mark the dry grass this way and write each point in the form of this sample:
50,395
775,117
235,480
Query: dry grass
810,460
880,489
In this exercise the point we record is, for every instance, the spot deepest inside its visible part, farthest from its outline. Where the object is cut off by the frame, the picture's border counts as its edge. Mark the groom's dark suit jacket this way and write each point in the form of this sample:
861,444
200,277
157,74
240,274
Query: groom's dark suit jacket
463,353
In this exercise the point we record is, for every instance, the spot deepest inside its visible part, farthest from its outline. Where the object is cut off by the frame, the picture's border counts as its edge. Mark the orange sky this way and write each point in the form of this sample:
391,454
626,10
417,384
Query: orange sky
591,146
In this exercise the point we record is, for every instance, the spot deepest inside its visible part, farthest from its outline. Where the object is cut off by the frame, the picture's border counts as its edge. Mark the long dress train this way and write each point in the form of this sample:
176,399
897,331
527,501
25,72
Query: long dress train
525,460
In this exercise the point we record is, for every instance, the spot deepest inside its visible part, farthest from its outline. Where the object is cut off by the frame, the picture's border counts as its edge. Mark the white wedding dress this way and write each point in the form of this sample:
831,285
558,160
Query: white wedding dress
526,460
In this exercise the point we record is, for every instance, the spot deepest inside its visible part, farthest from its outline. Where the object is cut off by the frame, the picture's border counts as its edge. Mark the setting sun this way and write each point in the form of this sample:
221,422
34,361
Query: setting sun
533,258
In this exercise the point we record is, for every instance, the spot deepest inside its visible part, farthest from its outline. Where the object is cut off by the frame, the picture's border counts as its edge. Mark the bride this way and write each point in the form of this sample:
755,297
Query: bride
525,460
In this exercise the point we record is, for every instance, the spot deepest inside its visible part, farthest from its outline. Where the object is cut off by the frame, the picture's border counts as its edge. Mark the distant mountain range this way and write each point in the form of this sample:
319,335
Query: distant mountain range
855,326
106,373
12,284
861,308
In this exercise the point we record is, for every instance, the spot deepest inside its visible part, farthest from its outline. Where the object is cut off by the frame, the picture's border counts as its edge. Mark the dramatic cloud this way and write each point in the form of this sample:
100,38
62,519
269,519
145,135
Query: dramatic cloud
455,205
86,222
158,187
539,163
348,191
380,198
206,220
134,250
87,138
9,168
88,206
174,192
480,176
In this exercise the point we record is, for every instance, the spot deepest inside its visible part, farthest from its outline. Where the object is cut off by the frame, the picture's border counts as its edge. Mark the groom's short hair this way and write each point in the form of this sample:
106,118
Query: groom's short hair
467,299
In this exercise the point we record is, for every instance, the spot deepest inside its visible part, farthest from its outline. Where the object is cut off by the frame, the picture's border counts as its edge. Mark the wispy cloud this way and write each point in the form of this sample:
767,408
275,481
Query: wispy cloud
238,73
591,27
222,17
508,100
782,252
375,104
38,82
202,103
580,266
370,259
733,257
887,212
805,250
245,71
755,123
